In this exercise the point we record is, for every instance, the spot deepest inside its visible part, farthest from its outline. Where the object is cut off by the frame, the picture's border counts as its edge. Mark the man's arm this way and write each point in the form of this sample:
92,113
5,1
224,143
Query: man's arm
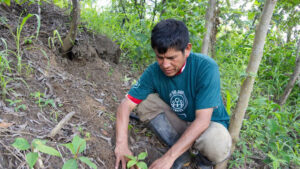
197,127
122,121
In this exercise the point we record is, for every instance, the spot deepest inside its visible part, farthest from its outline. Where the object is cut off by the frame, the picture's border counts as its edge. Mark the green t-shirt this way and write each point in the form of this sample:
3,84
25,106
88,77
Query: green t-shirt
196,87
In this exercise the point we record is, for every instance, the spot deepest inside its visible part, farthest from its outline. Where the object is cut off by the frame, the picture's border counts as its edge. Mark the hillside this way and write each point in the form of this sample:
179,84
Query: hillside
89,83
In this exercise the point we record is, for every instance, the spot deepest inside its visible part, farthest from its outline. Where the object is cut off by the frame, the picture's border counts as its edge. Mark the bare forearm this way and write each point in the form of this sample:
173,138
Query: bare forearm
122,121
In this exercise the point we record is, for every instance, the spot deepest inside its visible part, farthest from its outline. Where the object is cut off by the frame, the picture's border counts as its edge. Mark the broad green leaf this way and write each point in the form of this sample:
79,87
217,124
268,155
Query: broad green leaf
142,156
142,165
131,163
79,144
88,162
31,159
70,164
70,147
33,143
21,144
7,2
131,157
46,149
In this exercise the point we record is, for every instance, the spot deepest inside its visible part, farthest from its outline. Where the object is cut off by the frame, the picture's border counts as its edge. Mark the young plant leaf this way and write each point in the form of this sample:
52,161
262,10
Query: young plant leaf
142,156
21,144
88,162
31,159
131,157
46,149
131,163
70,164
142,165
34,142
70,147
79,144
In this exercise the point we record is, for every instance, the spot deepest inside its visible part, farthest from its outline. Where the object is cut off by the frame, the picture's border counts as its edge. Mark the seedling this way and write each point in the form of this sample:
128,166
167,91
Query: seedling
137,161
51,40
18,37
16,104
41,101
38,145
76,147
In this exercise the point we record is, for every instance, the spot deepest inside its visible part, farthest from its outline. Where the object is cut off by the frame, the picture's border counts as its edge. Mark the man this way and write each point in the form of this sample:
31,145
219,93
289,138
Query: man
187,110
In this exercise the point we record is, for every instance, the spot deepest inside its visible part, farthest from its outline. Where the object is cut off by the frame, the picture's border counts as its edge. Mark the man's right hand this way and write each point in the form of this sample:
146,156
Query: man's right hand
121,151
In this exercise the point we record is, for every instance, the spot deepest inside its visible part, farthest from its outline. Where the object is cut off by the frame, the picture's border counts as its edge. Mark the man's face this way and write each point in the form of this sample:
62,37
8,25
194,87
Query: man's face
172,61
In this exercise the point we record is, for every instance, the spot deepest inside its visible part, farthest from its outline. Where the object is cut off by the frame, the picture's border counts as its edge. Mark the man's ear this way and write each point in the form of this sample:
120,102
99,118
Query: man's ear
187,50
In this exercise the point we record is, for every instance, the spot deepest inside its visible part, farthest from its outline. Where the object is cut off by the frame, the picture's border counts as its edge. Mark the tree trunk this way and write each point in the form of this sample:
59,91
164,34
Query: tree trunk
289,34
247,86
293,78
209,19
214,32
154,11
69,40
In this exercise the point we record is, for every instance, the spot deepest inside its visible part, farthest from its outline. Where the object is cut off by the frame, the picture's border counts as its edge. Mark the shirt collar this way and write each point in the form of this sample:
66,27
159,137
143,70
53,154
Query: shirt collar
182,68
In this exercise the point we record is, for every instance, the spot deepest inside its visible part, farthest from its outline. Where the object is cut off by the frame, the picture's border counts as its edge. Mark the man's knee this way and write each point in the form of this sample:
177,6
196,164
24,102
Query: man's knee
214,143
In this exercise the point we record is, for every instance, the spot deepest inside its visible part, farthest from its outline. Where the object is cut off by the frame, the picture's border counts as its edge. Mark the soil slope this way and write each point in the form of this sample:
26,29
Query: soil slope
90,82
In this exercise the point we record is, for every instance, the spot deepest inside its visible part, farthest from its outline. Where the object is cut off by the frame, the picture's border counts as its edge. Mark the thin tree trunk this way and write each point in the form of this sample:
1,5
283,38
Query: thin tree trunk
214,32
69,40
154,11
246,89
293,78
208,26
289,34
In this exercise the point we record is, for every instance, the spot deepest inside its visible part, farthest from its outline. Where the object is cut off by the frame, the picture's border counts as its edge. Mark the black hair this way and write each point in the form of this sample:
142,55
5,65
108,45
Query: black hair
169,33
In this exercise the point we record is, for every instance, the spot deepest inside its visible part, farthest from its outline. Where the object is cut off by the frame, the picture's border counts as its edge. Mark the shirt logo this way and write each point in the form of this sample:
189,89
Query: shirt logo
178,101
137,84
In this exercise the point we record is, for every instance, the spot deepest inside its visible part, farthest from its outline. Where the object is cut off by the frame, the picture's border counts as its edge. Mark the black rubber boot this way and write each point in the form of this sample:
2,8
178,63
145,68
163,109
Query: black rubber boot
161,126
203,162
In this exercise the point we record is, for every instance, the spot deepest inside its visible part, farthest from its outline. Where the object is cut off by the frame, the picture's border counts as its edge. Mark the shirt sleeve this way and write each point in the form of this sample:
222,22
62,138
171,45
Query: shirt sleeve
142,88
208,93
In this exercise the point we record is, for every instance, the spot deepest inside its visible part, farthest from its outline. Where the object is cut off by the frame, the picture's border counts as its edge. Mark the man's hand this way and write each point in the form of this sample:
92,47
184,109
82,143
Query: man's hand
162,163
122,121
121,152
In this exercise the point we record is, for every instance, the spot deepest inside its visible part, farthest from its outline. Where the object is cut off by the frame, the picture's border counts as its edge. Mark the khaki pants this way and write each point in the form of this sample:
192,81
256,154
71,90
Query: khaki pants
214,143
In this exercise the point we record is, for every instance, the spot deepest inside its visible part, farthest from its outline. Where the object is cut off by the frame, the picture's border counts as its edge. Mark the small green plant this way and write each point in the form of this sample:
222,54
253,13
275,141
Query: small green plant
36,147
16,104
51,40
76,147
138,161
4,80
18,37
41,100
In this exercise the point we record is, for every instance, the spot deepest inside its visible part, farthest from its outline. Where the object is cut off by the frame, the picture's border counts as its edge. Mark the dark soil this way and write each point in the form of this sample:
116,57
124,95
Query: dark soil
91,82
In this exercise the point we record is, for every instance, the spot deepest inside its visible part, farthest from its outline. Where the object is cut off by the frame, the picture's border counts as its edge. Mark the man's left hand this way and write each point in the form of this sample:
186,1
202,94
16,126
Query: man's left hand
162,163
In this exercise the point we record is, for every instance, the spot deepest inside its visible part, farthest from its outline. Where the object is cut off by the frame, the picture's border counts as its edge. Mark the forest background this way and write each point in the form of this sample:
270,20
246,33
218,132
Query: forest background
270,129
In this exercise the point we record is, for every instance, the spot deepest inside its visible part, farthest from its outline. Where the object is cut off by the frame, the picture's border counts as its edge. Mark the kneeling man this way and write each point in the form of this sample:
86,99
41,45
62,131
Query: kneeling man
179,96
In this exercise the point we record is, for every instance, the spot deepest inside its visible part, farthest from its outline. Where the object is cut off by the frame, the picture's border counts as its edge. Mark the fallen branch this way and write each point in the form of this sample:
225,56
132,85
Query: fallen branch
61,124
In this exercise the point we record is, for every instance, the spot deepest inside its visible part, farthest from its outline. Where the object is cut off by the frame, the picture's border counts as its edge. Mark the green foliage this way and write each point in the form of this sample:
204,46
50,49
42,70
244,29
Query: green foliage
17,104
138,161
51,40
7,2
76,147
36,144
18,37
41,100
